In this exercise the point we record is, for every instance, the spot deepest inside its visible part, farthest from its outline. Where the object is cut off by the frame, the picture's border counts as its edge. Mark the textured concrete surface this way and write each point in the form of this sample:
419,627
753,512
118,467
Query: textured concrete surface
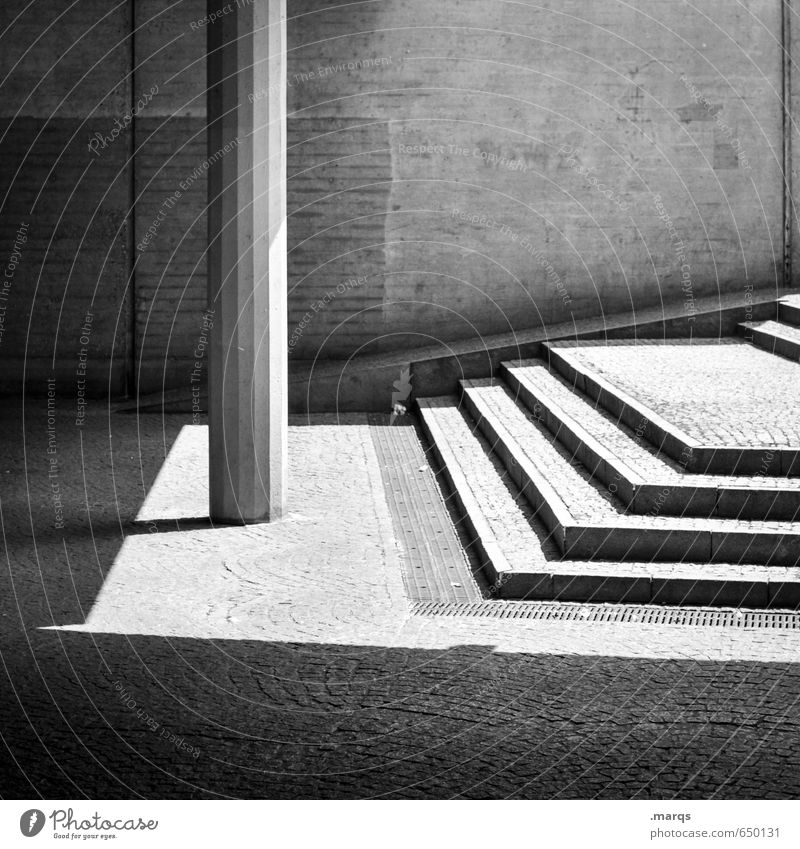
645,478
789,309
721,392
248,397
162,658
571,198
364,383
65,78
775,337
584,502
523,545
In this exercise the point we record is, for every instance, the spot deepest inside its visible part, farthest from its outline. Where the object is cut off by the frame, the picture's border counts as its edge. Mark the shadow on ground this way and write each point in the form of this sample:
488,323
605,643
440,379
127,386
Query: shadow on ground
111,716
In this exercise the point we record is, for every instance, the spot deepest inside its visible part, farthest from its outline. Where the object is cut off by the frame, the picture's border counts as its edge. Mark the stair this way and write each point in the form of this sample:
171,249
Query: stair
645,479
563,498
780,337
775,337
789,310
694,447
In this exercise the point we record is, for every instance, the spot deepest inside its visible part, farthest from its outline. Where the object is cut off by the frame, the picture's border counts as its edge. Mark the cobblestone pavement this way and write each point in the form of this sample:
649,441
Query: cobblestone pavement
164,658
522,540
624,443
585,500
718,391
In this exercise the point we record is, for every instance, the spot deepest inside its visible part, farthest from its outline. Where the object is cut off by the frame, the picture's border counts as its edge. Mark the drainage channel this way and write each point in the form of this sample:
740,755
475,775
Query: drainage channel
614,613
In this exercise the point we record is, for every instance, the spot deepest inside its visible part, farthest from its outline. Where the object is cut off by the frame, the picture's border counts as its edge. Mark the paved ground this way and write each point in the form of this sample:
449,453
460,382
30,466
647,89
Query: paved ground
718,391
163,658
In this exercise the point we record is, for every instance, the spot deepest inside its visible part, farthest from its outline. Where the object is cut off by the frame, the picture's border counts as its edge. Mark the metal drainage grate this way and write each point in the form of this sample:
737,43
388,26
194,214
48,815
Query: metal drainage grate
638,614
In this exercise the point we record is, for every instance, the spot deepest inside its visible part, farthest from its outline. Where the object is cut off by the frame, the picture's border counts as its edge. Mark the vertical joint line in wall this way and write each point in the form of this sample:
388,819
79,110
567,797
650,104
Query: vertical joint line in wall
786,96
130,329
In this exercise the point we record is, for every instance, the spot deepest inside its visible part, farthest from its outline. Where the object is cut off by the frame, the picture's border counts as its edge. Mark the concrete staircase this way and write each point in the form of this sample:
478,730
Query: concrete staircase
778,337
575,481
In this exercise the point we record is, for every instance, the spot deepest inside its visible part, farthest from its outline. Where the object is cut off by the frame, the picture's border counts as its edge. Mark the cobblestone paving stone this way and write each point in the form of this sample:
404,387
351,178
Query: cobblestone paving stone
622,442
286,657
587,502
718,391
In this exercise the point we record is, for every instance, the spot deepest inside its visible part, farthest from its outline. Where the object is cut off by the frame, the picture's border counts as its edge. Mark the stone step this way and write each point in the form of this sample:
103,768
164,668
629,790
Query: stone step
789,310
588,522
774,336
707,454
522,560
643,478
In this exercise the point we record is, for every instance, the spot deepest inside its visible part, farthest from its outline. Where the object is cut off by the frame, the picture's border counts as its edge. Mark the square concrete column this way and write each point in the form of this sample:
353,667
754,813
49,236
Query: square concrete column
247,281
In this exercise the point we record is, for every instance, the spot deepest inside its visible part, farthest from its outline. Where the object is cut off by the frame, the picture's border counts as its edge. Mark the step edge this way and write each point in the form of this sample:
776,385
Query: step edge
554,504
644,481
506,439
633,404
633,476
491,550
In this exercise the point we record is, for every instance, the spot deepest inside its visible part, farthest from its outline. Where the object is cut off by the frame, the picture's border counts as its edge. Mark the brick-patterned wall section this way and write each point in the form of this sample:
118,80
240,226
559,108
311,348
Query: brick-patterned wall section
65,69
446,162
494,126
170,50
454,169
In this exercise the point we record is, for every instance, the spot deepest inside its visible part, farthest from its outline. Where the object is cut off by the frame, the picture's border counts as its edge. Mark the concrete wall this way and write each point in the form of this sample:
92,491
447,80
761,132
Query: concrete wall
507,112
65,71
170,49
455,169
